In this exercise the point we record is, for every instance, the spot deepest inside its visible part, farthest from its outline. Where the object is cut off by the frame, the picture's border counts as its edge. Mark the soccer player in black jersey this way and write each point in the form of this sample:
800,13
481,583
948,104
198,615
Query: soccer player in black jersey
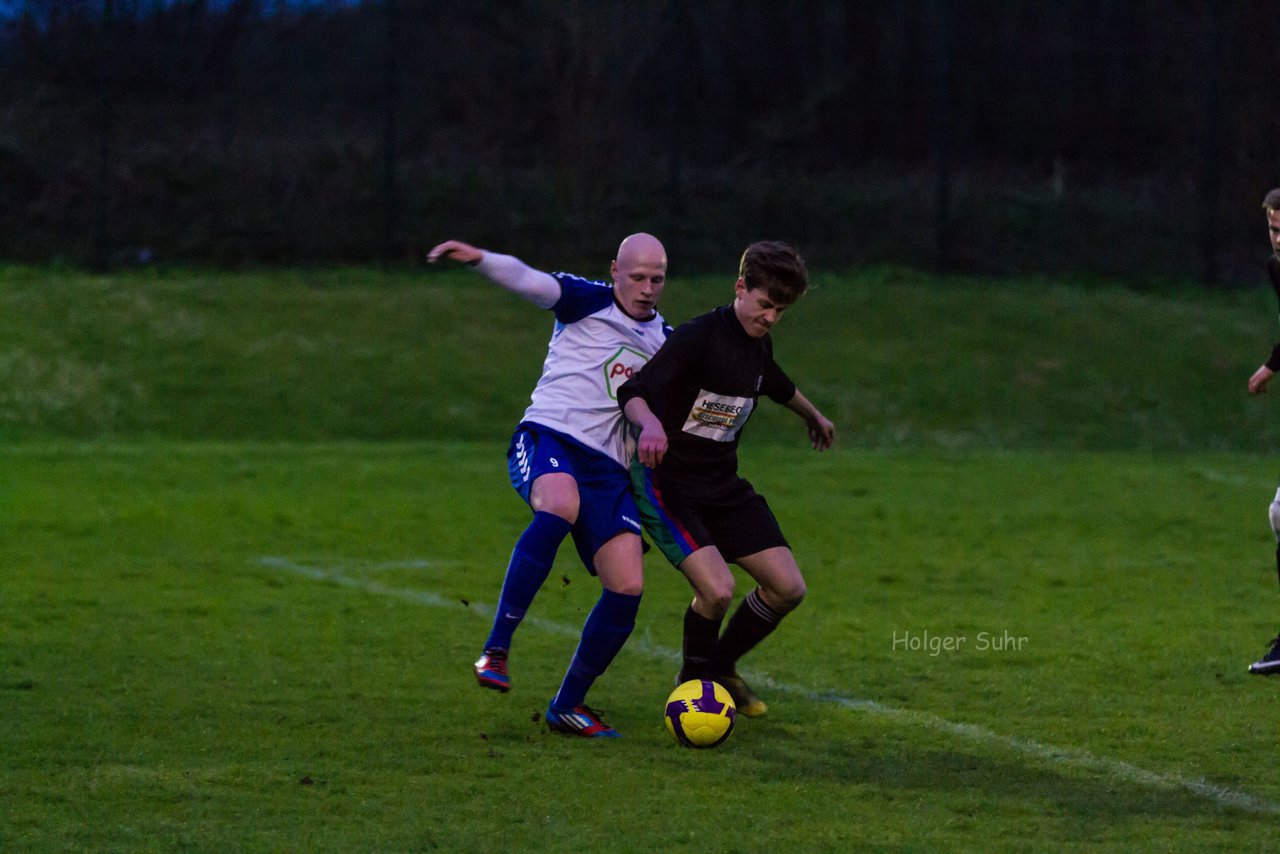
690,403
1270,662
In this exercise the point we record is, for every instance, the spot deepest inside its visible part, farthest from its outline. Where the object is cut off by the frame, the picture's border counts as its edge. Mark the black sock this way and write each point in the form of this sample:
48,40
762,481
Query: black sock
700,636
750,624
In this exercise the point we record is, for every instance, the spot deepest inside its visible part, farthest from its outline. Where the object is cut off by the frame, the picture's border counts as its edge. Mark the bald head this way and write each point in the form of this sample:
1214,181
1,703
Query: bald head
642,248
639,274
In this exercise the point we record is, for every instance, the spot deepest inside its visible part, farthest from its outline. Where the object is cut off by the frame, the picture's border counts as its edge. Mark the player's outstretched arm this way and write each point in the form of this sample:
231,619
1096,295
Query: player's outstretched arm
510,272
652,443
821,431
455,250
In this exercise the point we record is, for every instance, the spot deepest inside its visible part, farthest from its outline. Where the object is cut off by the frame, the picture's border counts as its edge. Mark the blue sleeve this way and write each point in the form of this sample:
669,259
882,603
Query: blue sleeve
580,297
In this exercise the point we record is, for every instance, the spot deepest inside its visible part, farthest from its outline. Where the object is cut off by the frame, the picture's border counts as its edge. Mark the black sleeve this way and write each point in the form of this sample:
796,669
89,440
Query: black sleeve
653,381
1273,273
777,386
1273,361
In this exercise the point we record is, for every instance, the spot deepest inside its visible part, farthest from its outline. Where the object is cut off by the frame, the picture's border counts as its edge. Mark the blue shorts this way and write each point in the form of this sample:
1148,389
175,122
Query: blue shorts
605,505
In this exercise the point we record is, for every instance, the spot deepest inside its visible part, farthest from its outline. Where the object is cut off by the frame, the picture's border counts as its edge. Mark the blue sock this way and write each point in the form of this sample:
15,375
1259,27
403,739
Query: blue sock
606,630
530,564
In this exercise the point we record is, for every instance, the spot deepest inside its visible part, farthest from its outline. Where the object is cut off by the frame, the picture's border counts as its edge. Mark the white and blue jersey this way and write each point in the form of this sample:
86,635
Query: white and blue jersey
595,347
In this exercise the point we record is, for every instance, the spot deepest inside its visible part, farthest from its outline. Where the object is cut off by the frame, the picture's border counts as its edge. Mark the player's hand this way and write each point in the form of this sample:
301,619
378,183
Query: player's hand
821,432
1258,382
456,250
652,446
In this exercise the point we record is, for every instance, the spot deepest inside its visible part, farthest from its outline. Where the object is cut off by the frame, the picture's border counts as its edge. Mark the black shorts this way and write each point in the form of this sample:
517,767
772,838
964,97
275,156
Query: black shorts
683,516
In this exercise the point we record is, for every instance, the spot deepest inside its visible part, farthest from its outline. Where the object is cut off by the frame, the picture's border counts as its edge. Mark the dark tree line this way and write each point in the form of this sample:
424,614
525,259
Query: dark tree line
1126,137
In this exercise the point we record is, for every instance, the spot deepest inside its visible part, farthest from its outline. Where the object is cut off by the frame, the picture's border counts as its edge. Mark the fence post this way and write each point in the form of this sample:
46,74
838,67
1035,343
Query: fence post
944,15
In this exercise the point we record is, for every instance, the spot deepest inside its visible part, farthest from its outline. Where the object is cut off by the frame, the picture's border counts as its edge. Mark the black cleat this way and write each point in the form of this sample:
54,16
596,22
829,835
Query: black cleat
1269,664
689,673
746,700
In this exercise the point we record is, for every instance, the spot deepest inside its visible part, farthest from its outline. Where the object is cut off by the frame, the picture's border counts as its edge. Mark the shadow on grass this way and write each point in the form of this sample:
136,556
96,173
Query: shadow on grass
881,762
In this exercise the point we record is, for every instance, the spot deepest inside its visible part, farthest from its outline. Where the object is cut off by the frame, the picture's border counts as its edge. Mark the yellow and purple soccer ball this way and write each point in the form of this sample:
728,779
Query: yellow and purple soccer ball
700,713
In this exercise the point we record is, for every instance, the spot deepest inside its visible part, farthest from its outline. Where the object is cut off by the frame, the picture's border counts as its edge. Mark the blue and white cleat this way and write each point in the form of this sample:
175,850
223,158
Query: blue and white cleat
582,721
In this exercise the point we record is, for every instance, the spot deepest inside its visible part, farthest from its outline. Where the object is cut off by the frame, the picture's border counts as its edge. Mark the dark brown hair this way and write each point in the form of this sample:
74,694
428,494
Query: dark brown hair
776,267
1272,200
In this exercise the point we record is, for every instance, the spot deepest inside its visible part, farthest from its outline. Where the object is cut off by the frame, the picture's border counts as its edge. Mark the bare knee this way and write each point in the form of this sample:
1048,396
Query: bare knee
627,585
785,597
713,596
795,594
620,565
565,508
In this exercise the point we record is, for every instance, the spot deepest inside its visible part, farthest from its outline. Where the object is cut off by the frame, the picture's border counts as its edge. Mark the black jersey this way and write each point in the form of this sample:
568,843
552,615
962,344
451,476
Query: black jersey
703,385
1273,273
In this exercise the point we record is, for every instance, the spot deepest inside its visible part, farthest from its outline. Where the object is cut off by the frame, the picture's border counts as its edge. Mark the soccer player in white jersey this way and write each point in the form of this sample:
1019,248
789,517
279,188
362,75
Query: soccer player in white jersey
569,455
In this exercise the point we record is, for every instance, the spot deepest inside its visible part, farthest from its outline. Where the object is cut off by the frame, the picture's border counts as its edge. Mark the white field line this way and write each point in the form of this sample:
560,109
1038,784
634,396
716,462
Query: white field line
1216,476
1067,757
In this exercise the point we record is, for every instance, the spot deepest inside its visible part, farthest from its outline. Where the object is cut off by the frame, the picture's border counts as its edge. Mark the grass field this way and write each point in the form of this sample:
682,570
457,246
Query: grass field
227,625
266,647
898,359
